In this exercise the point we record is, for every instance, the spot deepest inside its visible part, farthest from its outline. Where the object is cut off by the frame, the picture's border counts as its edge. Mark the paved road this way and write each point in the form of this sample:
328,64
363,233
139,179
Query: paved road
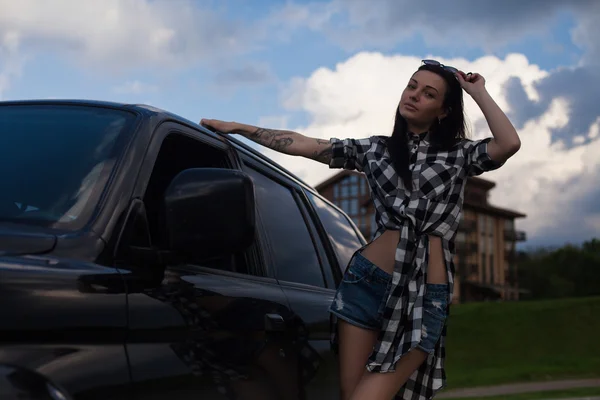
579,398
515,388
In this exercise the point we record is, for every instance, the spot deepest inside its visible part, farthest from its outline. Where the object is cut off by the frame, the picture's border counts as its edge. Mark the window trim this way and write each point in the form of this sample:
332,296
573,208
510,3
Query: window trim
337,268
332,257
250,163
158,136
151,153
198,269
320,249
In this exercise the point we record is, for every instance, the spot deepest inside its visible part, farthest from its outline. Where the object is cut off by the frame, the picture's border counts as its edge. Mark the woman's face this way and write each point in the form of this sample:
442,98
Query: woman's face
422,101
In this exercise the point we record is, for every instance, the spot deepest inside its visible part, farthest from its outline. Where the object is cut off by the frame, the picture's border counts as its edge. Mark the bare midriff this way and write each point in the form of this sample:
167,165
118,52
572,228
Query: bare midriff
382,252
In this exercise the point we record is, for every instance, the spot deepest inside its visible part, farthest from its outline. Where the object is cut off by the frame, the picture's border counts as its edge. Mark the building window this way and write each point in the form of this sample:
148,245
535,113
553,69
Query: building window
344,205
487,245
490,225
345,191
363,186
483,243
483,268
346,195
353,208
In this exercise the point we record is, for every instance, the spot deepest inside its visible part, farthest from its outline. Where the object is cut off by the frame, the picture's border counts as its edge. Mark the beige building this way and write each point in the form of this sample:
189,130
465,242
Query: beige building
485,244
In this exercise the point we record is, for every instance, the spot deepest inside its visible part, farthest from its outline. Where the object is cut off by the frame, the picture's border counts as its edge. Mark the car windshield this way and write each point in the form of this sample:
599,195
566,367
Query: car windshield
55,160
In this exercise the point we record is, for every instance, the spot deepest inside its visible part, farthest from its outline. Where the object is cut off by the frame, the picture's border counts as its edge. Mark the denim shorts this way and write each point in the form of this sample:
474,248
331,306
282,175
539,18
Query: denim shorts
435,313
362,294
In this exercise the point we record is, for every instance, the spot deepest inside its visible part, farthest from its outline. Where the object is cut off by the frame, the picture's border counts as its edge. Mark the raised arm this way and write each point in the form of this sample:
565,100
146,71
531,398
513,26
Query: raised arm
283,141
505,142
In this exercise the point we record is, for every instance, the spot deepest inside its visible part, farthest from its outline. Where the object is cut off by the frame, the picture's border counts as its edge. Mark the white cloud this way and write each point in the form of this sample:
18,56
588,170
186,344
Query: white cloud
358,99
112,37
586,34
457,24
315,16
116,34
274,121
540,179
594,130
248,74
135,87
11,61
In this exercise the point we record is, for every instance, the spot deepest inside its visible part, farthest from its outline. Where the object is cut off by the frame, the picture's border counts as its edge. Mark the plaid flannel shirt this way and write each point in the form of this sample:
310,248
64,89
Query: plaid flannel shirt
433,207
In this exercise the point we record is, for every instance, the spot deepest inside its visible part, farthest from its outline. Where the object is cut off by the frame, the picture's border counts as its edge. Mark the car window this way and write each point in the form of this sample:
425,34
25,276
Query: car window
178,152
291,246
342,235
56,160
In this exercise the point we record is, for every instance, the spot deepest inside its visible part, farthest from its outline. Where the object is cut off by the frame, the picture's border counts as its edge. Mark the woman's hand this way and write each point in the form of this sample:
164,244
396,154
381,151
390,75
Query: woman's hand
473,84
505,142
221,126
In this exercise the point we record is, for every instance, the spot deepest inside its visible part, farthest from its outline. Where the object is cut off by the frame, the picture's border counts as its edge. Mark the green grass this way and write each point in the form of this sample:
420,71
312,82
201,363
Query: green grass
554,394
495,343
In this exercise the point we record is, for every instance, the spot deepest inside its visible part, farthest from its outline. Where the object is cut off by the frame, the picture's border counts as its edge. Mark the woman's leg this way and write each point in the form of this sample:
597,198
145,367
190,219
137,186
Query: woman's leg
384,386
355,346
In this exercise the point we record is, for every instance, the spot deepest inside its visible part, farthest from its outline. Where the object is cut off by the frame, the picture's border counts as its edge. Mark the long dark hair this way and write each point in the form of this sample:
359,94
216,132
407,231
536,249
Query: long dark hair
443,135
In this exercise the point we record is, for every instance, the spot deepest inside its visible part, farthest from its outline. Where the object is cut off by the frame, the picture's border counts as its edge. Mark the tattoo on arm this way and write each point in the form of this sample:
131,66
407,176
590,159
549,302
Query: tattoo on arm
273,139
323,154
289,142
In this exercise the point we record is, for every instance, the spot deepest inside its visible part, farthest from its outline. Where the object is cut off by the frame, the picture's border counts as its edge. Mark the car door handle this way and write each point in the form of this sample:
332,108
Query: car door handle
274,323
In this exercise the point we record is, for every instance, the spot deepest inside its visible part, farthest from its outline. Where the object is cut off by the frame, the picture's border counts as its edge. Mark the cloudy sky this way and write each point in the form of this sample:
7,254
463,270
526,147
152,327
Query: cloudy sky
336,69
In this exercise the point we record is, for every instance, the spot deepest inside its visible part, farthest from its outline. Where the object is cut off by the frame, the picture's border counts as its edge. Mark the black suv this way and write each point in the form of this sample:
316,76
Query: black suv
143,256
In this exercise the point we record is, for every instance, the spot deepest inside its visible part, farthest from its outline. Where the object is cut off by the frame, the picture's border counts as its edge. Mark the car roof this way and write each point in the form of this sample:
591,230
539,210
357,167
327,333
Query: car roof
148,110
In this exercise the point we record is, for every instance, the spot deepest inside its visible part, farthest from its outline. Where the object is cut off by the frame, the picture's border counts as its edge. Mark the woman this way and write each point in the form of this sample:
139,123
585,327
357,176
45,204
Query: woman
393,301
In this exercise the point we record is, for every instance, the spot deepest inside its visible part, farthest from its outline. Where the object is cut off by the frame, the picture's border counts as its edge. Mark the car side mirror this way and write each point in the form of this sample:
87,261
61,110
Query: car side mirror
209,212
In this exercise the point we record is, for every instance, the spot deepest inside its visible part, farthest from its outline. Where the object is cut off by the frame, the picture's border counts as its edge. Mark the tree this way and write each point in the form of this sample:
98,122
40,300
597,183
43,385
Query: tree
569,271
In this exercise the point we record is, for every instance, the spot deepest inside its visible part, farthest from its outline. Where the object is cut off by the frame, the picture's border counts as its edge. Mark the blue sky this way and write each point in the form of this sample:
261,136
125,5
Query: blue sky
315,65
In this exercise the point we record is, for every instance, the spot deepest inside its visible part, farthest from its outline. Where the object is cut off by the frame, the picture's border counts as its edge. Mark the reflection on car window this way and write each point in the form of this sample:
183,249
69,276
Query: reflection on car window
292,248
55,160
341,234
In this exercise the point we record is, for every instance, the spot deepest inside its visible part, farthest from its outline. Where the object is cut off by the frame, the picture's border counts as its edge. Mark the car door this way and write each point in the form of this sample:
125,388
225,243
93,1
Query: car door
306,267
339,238
210,328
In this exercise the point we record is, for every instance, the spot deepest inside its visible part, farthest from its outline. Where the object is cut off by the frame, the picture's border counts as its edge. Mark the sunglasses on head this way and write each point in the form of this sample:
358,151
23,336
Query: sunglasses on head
439,64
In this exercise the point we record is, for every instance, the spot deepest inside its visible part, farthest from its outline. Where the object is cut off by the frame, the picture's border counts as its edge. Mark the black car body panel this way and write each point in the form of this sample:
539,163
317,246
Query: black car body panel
65,320
130,302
